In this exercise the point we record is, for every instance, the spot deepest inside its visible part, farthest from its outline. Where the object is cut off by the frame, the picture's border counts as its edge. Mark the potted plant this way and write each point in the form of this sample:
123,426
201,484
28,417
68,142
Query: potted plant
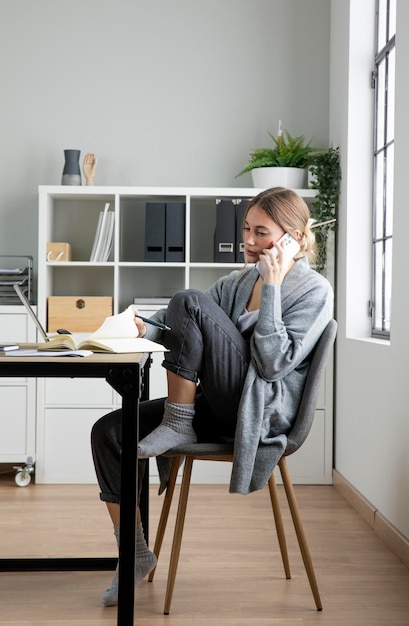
325,173
284,164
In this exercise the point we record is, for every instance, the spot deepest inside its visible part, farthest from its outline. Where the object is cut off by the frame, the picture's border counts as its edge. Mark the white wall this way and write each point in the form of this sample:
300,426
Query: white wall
372,425
165,93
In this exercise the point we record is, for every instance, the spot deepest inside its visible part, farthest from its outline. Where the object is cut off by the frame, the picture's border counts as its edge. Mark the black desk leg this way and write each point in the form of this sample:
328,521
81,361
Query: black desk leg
126,380
144,502
144,499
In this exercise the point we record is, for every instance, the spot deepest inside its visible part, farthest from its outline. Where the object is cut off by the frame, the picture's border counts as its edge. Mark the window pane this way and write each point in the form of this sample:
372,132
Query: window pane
392,18
388,285
382,6
383,274
379,190
389,190
380,105
390,97
377,322
386,22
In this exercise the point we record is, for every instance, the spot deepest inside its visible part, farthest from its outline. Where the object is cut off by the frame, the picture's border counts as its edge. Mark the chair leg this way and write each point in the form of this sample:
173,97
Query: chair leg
275,503
302,540
177,537
160,533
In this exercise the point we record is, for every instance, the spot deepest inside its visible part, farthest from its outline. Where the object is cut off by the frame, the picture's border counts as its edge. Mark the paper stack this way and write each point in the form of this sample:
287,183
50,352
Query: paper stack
15,270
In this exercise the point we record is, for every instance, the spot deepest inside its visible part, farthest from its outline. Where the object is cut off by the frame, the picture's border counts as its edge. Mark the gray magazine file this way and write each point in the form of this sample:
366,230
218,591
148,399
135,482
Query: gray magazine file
155,216
225,232
241,208
175,232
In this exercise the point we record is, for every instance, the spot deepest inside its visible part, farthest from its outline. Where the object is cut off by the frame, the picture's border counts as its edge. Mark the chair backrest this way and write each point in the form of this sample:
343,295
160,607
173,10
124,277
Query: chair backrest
306,411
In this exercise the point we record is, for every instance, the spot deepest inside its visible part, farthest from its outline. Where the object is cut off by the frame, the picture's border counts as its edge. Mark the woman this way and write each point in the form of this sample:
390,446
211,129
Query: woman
237,359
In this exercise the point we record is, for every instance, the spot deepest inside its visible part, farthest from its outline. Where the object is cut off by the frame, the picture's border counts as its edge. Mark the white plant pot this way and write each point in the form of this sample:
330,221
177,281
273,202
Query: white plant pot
290,177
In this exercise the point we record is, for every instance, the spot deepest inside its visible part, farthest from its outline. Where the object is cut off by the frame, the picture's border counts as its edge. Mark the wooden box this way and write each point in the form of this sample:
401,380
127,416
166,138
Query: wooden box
58,251
78,314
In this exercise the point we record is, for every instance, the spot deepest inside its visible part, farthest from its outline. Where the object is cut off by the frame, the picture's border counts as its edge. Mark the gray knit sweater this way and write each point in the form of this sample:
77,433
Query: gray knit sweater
291,319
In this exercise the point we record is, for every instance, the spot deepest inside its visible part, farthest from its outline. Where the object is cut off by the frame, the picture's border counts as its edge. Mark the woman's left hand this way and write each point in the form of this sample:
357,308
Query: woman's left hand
140,324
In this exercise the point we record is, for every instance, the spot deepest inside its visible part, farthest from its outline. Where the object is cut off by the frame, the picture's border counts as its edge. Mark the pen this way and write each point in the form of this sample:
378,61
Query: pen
149,321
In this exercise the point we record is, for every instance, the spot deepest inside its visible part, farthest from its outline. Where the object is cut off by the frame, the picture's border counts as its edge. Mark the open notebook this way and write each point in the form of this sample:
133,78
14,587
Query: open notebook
117,334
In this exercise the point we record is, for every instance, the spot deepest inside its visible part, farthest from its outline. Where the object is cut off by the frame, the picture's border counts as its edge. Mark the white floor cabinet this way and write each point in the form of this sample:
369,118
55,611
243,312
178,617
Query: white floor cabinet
66,409
17,395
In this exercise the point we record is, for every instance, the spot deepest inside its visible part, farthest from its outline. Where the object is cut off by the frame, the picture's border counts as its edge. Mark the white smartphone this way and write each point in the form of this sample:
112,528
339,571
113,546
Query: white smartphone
292,246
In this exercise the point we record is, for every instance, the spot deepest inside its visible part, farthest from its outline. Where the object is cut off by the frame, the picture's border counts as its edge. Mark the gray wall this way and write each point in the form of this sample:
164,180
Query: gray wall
178,93
164,92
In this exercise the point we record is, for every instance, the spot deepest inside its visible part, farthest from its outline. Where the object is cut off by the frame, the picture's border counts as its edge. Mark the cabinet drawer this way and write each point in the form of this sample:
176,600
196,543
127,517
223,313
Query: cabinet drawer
13,420
16,327
63,447
77,392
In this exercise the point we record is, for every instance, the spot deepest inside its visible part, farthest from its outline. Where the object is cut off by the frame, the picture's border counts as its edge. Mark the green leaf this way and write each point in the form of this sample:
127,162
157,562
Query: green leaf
288,151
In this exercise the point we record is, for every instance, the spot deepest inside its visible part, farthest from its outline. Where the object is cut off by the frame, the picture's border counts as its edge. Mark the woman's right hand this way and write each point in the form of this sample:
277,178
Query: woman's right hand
276,265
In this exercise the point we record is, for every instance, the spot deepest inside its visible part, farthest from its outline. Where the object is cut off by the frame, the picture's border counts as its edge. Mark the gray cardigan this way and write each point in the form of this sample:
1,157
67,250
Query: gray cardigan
291,319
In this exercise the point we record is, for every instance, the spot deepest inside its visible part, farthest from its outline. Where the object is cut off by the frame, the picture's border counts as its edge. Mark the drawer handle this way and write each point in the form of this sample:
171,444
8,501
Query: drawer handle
80,303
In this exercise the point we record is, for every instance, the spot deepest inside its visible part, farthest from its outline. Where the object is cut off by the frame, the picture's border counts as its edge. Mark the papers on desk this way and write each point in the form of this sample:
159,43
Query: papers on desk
49,353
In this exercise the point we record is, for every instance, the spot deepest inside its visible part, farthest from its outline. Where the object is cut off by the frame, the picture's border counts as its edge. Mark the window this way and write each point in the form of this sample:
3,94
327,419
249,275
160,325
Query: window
383,166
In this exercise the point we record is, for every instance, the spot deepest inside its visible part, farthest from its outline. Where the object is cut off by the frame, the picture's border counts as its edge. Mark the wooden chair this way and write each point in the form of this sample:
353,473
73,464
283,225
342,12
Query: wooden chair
224,452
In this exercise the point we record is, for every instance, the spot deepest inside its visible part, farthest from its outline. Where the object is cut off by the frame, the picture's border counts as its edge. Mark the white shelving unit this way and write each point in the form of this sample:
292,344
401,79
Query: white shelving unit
67,409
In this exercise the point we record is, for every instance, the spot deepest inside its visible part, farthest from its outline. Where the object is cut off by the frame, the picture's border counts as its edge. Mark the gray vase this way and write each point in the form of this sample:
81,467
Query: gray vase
71,174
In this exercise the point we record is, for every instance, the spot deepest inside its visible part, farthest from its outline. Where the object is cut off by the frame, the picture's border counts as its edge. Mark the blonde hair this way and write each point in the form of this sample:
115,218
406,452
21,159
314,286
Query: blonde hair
287,209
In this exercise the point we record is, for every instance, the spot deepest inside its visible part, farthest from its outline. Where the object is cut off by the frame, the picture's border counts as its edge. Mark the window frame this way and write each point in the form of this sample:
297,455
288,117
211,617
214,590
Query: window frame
383,155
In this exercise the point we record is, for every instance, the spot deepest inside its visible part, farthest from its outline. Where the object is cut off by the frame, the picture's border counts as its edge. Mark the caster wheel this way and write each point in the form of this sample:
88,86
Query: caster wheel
22,479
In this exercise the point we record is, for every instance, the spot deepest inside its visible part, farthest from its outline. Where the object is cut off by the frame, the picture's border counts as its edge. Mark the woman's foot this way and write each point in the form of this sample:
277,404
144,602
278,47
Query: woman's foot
162,439
145,562
176,429
143,567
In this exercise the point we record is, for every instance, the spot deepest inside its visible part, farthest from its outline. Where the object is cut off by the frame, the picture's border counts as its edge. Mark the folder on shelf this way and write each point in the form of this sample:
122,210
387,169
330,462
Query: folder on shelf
108,238
104,234
225,231
155,222
175,231
241,208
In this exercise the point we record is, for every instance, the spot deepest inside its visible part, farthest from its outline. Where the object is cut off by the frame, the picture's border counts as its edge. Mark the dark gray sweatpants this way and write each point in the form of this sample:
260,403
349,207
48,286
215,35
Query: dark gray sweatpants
204,347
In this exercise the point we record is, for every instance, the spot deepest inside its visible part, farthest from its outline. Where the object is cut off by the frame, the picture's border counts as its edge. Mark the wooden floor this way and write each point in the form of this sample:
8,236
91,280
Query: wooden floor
230,573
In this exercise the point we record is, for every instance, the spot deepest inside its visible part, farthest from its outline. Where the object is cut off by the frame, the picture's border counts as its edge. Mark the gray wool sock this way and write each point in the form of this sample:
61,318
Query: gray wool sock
144,563
176,429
